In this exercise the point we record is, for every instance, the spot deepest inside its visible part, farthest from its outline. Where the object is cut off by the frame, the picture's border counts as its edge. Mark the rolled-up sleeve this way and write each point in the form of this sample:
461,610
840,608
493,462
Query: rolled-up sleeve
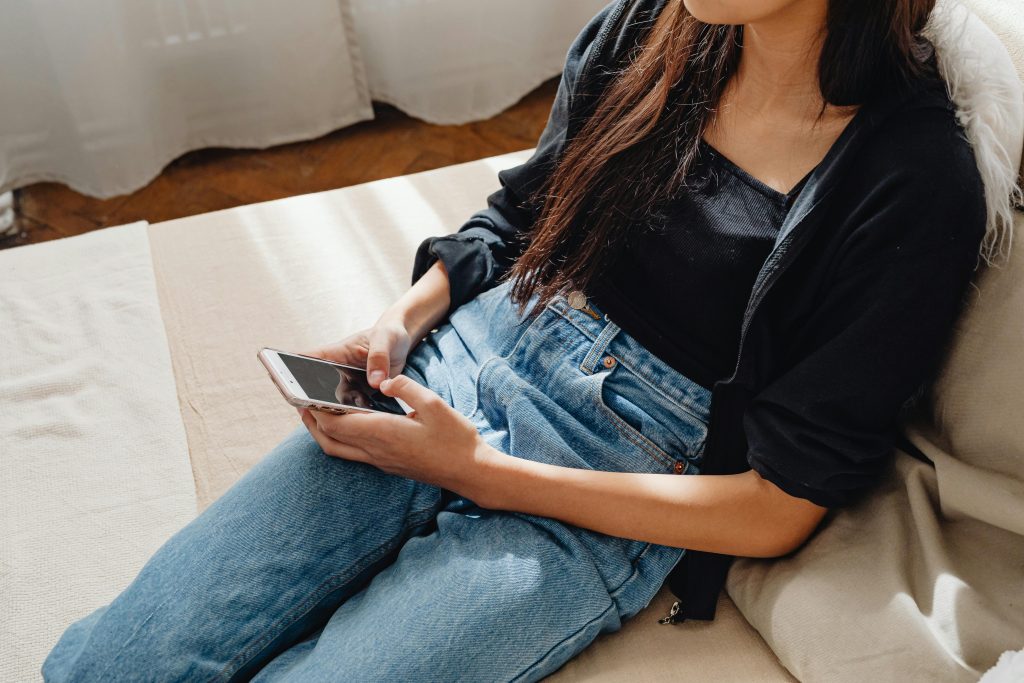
487,245
824,429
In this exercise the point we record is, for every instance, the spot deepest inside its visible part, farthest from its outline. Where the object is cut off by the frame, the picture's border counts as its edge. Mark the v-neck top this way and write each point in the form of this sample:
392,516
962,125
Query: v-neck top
681,283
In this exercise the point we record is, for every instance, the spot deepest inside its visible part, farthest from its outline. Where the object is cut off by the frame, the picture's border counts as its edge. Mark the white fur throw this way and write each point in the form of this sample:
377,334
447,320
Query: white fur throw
1009,669
989,97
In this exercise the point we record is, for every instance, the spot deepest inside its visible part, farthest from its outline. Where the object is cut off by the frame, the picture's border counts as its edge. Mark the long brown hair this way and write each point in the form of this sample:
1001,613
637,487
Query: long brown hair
636,148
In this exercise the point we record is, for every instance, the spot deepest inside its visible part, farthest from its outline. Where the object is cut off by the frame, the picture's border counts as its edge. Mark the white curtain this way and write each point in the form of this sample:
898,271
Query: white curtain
453,61
101,95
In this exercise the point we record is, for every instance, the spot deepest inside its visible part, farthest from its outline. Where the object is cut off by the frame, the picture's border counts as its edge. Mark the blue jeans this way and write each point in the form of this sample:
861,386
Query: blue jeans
312,568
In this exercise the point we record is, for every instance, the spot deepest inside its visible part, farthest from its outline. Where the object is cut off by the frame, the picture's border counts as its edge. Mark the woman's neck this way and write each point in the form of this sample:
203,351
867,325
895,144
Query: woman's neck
769,120
778,68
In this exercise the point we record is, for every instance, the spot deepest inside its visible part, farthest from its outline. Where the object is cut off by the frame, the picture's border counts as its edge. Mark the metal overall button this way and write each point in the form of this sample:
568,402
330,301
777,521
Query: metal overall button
578,300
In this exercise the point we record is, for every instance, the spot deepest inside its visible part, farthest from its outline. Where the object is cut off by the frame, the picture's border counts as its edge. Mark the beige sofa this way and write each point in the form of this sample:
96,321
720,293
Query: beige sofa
131,397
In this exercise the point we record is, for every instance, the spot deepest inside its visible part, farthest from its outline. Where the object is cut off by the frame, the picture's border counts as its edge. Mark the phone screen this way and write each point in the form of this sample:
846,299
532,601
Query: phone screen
330,383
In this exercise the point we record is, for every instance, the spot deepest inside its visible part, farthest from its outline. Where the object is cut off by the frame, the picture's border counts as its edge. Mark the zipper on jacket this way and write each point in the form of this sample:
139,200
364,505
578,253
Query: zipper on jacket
671,618
778,261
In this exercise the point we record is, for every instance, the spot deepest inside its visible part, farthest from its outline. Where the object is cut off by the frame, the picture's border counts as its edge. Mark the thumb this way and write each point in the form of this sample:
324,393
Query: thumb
377,363
420,398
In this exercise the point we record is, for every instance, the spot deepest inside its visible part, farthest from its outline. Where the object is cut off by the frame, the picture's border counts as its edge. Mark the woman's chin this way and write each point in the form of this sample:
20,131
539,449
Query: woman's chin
733,12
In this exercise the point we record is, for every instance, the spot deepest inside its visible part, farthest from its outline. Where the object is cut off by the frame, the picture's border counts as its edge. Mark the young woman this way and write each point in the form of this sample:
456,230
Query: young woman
738,251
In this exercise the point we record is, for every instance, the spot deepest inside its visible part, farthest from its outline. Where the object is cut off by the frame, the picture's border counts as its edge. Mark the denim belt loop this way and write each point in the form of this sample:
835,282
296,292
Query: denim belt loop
590,362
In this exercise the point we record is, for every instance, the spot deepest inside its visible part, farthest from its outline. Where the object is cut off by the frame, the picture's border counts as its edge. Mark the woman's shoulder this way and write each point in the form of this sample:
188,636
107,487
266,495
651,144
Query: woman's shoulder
919,133
917,162
913,185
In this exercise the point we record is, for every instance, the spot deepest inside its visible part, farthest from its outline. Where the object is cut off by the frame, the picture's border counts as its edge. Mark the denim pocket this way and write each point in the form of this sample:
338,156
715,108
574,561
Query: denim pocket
668,432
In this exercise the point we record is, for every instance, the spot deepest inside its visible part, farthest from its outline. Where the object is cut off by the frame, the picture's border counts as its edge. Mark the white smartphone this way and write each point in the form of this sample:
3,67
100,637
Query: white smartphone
314,383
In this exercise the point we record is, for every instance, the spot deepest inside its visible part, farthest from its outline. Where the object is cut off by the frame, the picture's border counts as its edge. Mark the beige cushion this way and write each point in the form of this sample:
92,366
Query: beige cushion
891,590
644,651
923,581
978,405
303,271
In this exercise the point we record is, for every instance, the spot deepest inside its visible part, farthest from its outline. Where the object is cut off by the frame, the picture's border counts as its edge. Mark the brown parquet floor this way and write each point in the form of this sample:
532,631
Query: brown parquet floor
211,179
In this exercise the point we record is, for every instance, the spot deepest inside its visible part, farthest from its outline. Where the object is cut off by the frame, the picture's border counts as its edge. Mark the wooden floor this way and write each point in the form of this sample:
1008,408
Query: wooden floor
211,179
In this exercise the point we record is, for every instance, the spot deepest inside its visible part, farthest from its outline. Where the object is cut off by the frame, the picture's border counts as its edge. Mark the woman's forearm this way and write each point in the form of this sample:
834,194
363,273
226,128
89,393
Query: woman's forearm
424,304
739,514
736,514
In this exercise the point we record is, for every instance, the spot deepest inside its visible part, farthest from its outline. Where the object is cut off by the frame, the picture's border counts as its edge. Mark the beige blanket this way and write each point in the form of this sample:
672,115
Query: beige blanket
290,274
94,470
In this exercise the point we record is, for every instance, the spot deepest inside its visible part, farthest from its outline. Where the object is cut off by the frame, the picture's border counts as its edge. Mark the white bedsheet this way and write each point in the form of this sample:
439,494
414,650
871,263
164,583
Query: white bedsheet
86,496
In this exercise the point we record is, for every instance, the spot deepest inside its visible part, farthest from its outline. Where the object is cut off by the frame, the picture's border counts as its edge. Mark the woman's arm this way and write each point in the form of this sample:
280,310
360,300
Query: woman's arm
487,245
423,305
384,347
449,270
820,432
740,514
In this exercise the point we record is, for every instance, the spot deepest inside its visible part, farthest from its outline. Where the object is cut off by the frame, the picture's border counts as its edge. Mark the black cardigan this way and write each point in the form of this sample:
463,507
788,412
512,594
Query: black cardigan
848,318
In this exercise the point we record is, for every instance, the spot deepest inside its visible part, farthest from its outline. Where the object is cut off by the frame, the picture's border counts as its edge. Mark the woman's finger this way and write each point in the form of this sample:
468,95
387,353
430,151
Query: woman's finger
379,371
420,398
311,425
354,428
351,350
378,362
337,449
330,446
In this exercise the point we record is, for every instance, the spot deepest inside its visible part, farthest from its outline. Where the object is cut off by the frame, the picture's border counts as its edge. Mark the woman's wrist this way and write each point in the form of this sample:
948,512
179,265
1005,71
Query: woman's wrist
424,305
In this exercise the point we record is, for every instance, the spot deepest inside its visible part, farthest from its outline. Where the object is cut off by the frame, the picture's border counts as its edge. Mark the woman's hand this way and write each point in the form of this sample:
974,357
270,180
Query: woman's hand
381,349
384,348
434,444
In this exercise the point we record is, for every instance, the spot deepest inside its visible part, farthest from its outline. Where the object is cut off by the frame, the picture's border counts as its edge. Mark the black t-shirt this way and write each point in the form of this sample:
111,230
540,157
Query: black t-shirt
681,283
